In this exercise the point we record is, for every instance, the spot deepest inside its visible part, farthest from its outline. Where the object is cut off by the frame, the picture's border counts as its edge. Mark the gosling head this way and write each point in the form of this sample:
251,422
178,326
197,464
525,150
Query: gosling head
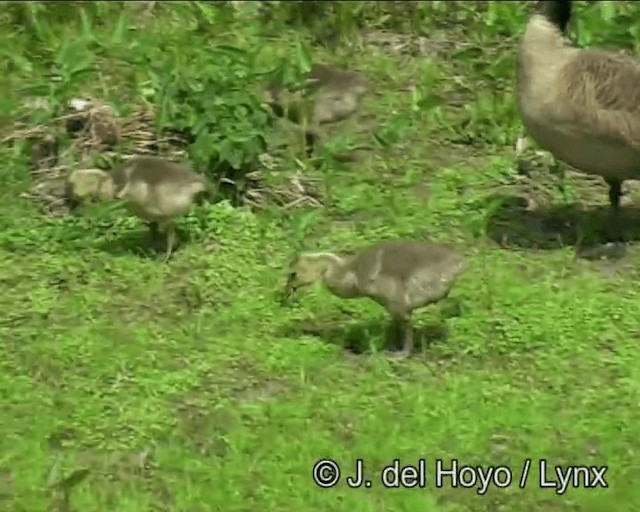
305,270
86,185
270,96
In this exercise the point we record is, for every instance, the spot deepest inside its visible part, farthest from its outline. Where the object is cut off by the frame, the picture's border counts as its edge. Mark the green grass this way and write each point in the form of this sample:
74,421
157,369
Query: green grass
188,387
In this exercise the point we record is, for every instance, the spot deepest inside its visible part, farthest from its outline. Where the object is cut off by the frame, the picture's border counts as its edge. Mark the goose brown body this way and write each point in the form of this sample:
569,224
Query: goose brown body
582,105
400,275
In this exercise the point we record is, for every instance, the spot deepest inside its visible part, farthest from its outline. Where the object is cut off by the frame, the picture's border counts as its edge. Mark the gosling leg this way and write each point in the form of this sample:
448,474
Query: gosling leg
170,231
156,238
407,338
552,164
521,144
154,232
309,143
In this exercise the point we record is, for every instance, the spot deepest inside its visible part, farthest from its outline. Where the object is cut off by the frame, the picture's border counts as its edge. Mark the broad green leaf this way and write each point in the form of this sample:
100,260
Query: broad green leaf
119,33
303,56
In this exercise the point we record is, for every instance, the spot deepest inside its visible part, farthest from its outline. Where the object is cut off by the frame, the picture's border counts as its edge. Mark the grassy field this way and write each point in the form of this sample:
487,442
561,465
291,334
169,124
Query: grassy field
188,387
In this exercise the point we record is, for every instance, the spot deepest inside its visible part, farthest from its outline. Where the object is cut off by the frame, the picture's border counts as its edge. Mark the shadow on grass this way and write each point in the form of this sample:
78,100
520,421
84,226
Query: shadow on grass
138,243
513,225
367,336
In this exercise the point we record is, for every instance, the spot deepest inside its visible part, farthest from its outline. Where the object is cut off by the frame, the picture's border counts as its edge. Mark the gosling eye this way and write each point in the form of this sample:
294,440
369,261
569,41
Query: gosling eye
293,276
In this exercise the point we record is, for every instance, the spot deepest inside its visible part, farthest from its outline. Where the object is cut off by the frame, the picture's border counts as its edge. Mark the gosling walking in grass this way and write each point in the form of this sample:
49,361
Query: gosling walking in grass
155,190
338,95
400,275
335,95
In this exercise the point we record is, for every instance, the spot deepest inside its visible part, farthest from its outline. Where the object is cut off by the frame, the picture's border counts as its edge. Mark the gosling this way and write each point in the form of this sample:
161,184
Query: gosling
336,93
155,190
400,275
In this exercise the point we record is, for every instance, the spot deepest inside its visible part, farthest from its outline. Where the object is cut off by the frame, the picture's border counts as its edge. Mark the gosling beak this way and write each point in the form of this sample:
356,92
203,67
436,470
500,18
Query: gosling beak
288,293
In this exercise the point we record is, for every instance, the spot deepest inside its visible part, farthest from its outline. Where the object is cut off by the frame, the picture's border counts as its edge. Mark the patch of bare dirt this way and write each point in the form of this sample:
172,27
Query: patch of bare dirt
205,414
107,470
408,44
6,484
111,471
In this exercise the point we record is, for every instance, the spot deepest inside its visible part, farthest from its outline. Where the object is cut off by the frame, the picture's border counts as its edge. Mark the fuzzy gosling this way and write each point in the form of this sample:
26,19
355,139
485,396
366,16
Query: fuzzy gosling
331,95
338,95
155,190
400,275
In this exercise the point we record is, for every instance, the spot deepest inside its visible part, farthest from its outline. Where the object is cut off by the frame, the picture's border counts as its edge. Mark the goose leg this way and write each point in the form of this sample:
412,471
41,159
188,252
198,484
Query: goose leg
615,193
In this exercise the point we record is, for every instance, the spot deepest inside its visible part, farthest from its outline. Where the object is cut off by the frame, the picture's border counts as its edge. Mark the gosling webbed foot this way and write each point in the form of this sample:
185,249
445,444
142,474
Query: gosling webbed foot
613,235
603,251
611,243
398,355
402,324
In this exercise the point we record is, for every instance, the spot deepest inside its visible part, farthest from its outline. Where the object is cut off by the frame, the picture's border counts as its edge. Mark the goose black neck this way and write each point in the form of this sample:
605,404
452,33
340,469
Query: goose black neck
557,12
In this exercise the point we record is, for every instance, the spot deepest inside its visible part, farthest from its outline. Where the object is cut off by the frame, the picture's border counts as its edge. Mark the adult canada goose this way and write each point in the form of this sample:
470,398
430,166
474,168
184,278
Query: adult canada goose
154,189
582,105
400,275
335,96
